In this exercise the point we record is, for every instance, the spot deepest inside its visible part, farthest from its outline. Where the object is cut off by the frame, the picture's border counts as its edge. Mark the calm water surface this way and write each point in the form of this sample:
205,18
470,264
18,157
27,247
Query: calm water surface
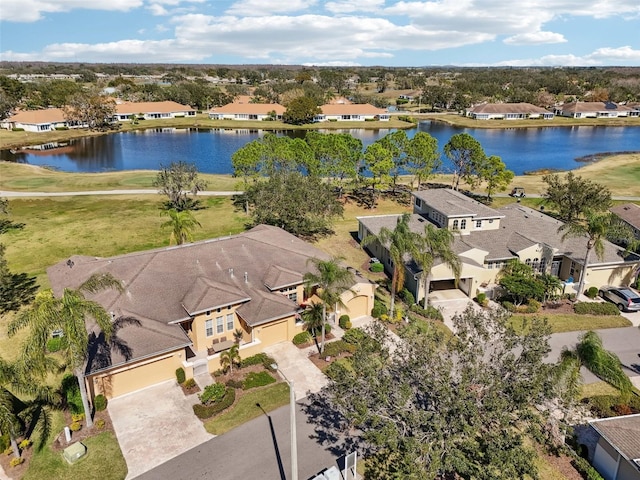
522,149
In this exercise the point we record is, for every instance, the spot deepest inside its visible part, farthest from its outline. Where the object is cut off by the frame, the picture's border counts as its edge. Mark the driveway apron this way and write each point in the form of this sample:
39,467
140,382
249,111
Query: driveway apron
294,363
154,425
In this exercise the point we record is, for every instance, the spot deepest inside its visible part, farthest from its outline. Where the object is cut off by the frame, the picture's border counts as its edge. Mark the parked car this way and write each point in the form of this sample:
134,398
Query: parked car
625,298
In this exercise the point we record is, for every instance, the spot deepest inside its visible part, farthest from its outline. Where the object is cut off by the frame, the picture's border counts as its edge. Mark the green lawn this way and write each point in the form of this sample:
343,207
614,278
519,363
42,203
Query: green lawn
574,323
269,398
104,460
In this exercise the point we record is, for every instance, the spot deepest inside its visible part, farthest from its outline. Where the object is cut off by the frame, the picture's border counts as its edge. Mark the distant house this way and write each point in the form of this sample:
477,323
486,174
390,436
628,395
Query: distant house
351,112
629,213
508,111
152,110
595,110
617,453
43,120
193,301
247,111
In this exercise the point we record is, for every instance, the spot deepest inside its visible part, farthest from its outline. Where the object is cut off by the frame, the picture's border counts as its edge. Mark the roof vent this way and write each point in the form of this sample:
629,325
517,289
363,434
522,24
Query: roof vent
70,263
231,272
246,277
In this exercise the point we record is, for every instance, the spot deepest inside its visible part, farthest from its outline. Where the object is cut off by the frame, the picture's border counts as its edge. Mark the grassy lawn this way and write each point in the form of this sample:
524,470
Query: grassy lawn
574,323
104,459
598,388
269,398
557,121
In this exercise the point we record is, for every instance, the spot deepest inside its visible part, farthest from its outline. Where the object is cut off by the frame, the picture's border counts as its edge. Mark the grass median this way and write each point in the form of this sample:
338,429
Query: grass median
572,322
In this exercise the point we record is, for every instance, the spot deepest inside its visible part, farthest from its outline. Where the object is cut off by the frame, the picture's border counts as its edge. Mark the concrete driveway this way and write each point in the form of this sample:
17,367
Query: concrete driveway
154,425
294,363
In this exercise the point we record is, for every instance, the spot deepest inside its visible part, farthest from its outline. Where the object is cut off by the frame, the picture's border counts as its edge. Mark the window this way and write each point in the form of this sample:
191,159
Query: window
293,296
490,265
219,325
229,321
208,327
528,261
463,224
418,203
478,223
455,224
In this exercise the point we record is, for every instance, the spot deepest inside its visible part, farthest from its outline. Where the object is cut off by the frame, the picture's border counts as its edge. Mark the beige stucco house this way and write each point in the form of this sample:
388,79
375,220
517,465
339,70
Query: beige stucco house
595,110
508,111
351,112
152,110
242,110
42,120
189,300
488,238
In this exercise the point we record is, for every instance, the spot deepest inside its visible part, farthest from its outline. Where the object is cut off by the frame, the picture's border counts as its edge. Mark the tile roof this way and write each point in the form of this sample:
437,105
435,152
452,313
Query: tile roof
452,203
130,108
497,108
42,116
623,433
351,109
629,212
249,108
164,285
583,107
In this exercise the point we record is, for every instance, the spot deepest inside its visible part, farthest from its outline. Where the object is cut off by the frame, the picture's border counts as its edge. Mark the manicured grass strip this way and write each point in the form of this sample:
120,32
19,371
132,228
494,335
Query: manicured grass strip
574,323
104,460
597,389
269,398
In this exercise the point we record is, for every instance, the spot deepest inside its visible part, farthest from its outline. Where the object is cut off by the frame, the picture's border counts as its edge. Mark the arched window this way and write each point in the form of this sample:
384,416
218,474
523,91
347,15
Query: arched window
528,261
536,265
463,224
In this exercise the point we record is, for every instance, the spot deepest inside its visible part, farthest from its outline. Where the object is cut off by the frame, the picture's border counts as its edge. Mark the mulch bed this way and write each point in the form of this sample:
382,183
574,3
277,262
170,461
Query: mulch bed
60,443
559,307
190,391
18,471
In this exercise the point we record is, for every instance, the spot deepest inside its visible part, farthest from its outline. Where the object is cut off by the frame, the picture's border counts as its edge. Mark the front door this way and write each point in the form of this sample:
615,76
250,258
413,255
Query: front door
555,267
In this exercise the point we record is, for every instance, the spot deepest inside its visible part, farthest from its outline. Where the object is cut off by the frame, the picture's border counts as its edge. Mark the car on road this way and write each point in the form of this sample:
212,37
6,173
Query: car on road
625,298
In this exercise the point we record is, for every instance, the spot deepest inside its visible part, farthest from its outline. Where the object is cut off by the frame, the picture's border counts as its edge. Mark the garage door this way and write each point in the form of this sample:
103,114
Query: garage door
357,307
274,333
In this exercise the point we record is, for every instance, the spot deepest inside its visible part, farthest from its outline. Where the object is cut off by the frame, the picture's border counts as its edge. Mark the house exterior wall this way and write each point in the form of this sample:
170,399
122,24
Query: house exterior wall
137,375
614,275
198,334
605,460
626,471
357,303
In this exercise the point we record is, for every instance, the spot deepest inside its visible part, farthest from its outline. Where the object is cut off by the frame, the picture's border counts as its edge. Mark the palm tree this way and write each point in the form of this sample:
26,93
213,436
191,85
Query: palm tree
9,420
595,226
435,244
400,241
68,313
181,223
230,357
313,318
331,280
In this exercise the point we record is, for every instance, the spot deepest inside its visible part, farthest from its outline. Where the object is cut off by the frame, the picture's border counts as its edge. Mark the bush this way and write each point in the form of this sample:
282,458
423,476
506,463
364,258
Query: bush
17,129
62,128
77,417
257,379
71,393
15,461
54,344
234,383
190,383
180,375
354,336
75,426
327,329
481,298
302,338
100,424
508,306
592,292
376,267
379,309
343,321
533,306
604,406
212,393
258,359
8,450
339,369
408,297
585,469
429,312
206,411
100,403
334,349
595,308
5,442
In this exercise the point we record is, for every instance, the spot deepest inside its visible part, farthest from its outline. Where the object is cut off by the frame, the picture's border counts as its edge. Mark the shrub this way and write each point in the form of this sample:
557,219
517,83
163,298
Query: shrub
508,306
376,267
258,359
234,383
77,417
408,297
17,129
354,336
595,308
8,450
585,469
54,344
206,411
592,292
339,369
15,461
5,442
334,349
62,128
100,402
482,299
379,309
180,375
75,426
257,379
343,321
189,383
429,312
533,306
71,393
212,393
100,424
327,329
302,338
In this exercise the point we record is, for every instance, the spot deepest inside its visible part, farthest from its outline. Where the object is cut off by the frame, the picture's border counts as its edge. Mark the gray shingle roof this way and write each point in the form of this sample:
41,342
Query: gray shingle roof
629,212
452,203
623,433
163,285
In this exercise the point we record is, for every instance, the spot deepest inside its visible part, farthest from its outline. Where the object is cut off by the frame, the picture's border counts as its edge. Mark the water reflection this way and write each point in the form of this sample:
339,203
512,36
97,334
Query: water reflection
522,149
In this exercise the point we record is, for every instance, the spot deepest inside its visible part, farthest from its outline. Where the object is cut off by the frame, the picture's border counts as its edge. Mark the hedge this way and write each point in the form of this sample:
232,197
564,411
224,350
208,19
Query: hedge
258,359
355,336
429,312
595,308
302,338
180,375
334,349
206,411
585,469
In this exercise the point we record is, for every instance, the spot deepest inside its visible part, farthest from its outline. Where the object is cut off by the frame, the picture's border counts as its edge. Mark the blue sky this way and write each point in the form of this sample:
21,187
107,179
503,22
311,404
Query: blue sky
316,32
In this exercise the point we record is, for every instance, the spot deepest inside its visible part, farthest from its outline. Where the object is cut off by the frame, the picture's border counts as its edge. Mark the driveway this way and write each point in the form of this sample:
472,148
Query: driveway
155,425
450,303
294,363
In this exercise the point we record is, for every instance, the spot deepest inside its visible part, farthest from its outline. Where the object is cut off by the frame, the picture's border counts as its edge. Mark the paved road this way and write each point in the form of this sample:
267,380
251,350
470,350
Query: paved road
259,449
10,194
624,342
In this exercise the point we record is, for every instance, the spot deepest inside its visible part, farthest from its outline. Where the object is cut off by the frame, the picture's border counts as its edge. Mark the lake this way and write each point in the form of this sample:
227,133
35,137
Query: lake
522,149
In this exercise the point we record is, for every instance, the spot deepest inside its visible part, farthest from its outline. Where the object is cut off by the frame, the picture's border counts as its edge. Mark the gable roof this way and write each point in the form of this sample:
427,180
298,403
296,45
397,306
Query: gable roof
249,108
498,108
455,204
584,107
38,117
132,108
629,212
622,433
351,109
167,285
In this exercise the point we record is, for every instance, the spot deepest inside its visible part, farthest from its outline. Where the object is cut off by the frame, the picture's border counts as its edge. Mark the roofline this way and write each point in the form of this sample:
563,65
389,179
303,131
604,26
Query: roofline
144,357
283,286
592,423
262,322
197,312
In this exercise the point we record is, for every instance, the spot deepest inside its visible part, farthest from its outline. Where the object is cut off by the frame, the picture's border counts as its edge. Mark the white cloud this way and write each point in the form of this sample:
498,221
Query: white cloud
331,64
33,10
350,6
535,38
157,10
615,56
601,57
254,8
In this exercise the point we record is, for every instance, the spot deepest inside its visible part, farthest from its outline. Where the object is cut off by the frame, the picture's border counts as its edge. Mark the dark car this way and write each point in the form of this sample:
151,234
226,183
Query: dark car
625,298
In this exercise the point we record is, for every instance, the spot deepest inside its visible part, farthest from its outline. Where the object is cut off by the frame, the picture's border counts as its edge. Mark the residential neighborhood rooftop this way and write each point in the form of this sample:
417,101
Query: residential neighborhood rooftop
623,433
453,203
629,212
